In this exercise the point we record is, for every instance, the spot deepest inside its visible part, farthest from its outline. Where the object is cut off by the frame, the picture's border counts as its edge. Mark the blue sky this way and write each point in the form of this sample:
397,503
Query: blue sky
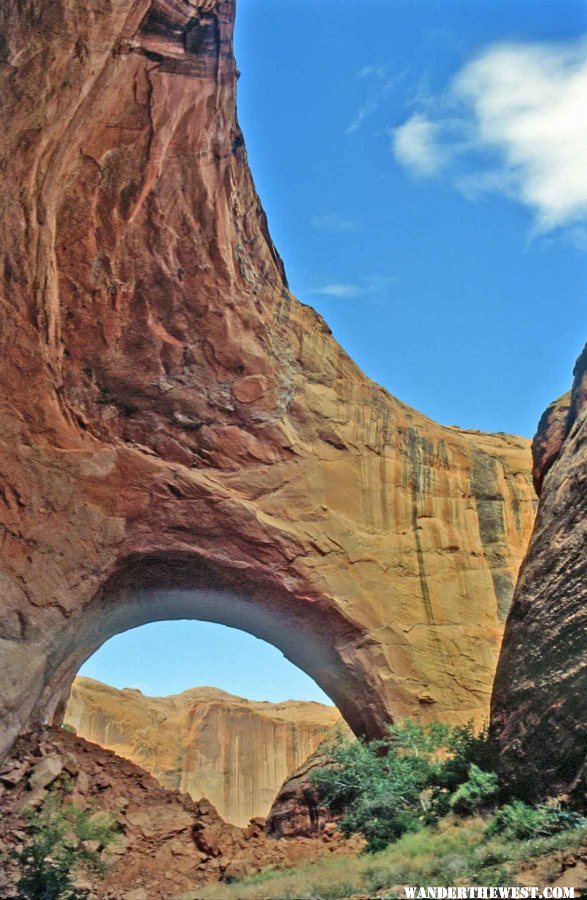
168,657
456,304
422,165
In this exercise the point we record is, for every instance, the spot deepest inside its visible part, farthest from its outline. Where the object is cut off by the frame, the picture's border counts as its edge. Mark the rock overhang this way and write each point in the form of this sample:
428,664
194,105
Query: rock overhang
165,396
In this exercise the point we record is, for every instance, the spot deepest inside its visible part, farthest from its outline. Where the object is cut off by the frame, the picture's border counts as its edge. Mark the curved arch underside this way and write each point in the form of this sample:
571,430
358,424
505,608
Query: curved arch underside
317,640
174,423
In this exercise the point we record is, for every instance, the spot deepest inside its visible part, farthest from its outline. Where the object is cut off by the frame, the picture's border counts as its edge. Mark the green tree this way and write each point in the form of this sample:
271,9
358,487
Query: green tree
479,791
62,841
385,788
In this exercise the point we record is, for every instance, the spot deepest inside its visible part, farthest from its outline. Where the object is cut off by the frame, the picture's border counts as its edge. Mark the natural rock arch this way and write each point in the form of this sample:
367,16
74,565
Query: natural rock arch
315,638
165,397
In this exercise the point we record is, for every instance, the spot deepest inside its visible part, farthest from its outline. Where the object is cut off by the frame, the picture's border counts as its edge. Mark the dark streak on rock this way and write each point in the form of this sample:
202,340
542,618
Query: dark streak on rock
490,509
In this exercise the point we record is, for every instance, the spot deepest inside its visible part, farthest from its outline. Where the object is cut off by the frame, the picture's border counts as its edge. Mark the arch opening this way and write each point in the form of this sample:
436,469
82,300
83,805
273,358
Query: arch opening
311,634
207,727
170,657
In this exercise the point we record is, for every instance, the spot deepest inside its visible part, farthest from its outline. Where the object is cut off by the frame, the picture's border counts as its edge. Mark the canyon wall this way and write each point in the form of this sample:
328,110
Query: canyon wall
296,809
539,699
179,436
234,752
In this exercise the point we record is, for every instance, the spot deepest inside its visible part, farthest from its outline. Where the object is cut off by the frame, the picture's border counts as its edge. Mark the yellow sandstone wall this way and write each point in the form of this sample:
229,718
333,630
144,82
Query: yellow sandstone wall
234,752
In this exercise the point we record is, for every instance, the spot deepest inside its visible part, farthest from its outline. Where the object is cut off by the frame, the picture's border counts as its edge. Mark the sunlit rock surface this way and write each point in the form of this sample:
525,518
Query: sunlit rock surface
539,708
179,436
205,742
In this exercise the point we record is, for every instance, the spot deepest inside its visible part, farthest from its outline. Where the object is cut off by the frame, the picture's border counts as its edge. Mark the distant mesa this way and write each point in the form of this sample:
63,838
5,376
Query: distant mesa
204,741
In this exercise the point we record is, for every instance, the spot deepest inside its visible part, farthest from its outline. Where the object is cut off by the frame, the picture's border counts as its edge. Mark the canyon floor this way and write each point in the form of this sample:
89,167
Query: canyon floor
455,853
169,847
166,843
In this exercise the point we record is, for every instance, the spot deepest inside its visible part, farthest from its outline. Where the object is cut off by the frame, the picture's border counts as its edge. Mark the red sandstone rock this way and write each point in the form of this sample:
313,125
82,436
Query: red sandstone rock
538,706
296,810
166,843
549,438
179,436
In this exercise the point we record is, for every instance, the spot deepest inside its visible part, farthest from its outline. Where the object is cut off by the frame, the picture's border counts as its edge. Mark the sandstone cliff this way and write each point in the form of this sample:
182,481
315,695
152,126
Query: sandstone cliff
539,701
179,436
234,752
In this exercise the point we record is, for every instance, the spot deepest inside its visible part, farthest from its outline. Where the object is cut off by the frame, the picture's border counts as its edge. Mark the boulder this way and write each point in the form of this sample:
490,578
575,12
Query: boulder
538,705
45,772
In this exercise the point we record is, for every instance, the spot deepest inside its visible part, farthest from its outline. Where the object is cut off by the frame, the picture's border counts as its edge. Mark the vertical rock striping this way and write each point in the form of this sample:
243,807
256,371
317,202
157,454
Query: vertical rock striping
234,752
179,436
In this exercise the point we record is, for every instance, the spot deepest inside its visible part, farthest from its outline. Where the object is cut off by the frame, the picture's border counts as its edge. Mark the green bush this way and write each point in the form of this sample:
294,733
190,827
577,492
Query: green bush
477,793
386,788
62,841
380,819
456,852
518,821
417,775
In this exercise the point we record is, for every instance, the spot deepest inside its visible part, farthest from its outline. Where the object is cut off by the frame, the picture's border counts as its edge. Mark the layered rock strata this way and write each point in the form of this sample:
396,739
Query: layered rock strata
204,742
179,436
539,700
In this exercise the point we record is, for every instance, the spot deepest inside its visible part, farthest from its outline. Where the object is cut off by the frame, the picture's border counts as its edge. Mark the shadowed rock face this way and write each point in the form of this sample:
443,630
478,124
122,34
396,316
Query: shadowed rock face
180,437
539,699
205,742
296,809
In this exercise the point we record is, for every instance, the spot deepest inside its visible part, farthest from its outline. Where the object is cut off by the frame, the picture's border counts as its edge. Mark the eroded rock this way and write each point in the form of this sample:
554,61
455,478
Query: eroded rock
204,741
296,810
45,772
165,843
179,436
538,706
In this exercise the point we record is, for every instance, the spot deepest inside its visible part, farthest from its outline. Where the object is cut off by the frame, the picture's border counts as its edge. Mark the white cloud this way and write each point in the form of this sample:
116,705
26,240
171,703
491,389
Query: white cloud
378,81
337,290
375,288
521,130
333,222
475,185
372,72
368,107
417,145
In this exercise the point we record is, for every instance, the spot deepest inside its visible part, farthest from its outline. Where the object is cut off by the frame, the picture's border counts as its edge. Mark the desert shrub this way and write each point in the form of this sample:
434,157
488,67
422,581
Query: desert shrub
519,821
456,851
380,819
386,788
478,792
464,748
62,841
